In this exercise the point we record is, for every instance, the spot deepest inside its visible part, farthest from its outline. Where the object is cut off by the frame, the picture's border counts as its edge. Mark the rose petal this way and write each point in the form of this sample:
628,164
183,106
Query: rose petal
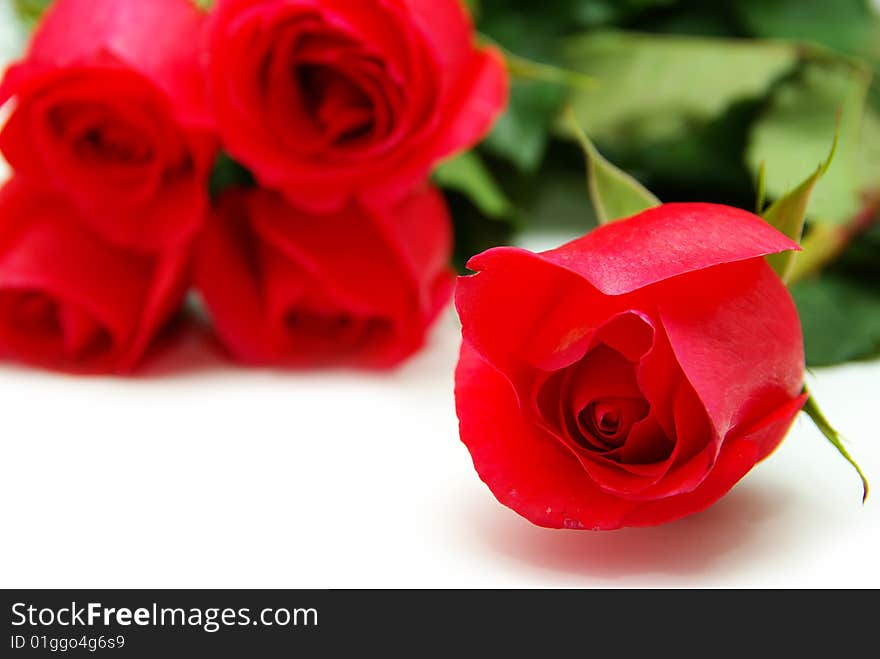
527,469
630,479
150,204
515,329
370,24
89,283
168,288
419,229
475,103
532,473
737,457
80,330
664,242
647,446
356,269
430,93
693,454
630,333
602,373
447,27
287,286
736,334
659,379
159,38
228,275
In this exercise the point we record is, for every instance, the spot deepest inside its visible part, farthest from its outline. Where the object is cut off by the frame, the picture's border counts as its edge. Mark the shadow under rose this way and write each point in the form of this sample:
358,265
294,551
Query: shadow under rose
189,347
746,523
186,347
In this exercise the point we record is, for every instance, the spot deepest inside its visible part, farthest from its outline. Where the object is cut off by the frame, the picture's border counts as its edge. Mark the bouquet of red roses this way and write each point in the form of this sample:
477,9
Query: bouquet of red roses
277,155
338,252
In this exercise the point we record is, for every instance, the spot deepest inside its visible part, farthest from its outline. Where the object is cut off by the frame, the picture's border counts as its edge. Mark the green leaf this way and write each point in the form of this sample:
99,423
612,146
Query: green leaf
655,87
840,317
868,153
614,193
793,135
849,26
467,174
29,11
554,201
559,204
706,163
538,92
788,214
539,86
522,133
559,17
527,69
862,256
228,173
697,19
473,6
811,408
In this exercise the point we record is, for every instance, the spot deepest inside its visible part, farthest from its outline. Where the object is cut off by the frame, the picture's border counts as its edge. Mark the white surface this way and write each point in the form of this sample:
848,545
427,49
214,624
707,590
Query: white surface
11,36
219,477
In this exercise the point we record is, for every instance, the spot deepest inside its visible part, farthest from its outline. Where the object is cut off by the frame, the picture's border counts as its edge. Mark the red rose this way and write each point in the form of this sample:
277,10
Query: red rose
357,287
632,376
73,302
325,100
109,111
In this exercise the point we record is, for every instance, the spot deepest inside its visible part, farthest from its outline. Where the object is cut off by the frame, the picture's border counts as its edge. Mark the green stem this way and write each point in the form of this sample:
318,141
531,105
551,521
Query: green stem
520,67
526,69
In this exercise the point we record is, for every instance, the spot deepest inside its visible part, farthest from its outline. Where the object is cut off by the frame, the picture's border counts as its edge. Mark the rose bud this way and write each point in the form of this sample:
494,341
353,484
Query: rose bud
70,301
329,100
357,287
109,110
632,376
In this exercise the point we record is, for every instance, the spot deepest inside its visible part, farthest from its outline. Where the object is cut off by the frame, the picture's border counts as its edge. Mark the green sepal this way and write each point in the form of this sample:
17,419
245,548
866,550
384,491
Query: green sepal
788,214
811,408
761,198
614,193
29,11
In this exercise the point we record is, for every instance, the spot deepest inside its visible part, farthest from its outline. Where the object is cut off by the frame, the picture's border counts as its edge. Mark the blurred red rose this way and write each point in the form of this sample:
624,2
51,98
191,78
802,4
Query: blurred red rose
109,110
333,99
356,287
630,377
71,301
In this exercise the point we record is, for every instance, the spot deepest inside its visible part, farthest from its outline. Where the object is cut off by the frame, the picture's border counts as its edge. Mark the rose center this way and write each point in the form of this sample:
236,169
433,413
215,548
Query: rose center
326,324
610,420
607,418
112,143
98,136
337,105
335,327
117,144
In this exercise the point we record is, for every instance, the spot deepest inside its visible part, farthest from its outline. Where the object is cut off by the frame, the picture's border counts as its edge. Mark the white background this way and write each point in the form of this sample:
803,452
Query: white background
201,474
